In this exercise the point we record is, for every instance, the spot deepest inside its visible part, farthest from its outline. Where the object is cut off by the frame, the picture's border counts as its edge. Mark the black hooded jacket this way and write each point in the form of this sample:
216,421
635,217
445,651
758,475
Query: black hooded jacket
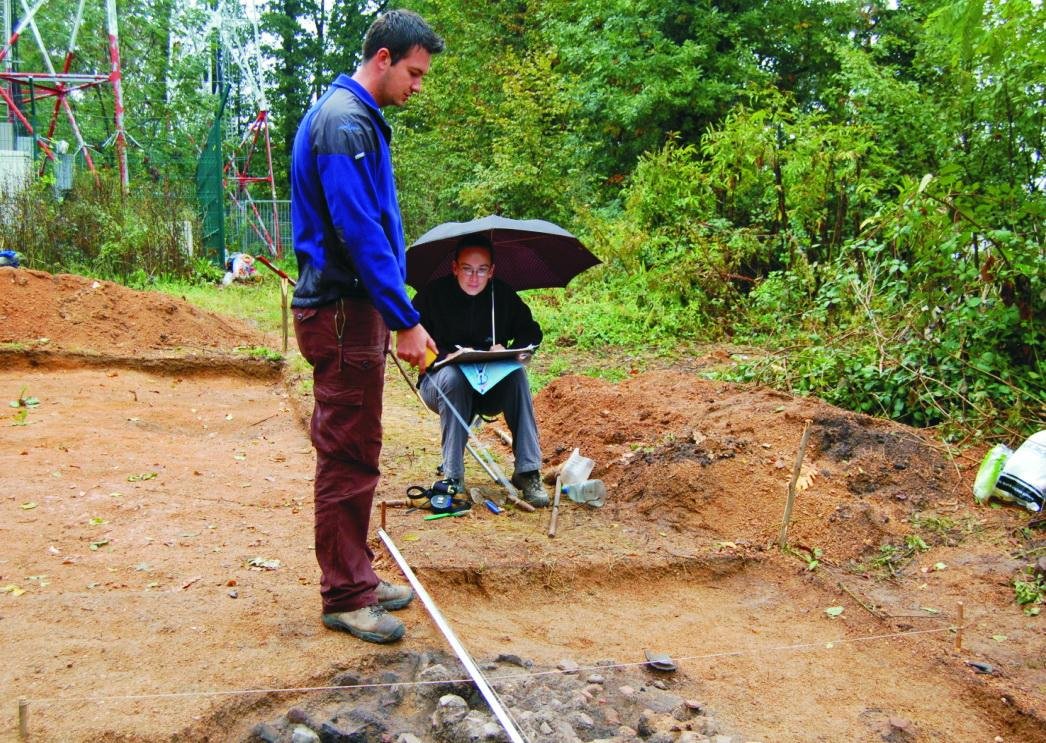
454,318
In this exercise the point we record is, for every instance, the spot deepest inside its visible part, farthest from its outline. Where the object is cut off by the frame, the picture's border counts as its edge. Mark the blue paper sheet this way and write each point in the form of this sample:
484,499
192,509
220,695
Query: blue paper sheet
484,376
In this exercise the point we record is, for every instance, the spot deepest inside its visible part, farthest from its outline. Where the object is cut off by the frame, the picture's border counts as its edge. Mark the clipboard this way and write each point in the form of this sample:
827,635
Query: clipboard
471,356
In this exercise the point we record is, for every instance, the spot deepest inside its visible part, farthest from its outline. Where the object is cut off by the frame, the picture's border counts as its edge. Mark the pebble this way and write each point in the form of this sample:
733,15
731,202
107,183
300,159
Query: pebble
595,678
568,666
627,691
303,734
514,660
450,709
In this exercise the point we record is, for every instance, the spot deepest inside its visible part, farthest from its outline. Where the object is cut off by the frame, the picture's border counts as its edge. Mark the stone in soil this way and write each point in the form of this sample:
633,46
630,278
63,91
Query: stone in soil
442,706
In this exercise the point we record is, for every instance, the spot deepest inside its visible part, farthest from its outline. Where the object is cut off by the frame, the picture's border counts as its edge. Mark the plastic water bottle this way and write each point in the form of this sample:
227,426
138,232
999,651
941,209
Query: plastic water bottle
590,492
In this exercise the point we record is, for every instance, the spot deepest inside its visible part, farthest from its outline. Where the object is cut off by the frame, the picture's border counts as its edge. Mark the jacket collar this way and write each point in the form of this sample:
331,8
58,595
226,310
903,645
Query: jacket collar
344,81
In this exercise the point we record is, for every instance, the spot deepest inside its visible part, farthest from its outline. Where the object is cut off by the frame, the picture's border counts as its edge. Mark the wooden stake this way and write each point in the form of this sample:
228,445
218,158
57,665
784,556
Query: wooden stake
555,511
384,508
960,614
782,540
283,309
23,719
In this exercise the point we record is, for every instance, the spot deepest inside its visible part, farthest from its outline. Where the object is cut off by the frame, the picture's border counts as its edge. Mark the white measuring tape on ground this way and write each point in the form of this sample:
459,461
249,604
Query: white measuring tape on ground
466,660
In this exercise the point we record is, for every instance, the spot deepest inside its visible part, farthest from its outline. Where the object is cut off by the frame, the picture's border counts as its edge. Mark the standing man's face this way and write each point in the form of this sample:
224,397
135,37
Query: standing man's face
473,269
400,81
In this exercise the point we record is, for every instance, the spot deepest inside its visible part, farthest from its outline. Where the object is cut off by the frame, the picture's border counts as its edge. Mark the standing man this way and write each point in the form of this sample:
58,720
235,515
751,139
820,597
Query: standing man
348,239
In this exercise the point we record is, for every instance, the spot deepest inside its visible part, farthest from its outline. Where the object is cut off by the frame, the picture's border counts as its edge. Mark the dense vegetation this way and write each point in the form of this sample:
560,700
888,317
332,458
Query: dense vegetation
855,188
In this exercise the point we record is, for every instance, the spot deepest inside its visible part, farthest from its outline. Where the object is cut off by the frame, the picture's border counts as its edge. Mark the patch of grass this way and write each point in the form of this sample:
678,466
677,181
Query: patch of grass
260,352
811,557
1030,591
892,558
931,522
258,303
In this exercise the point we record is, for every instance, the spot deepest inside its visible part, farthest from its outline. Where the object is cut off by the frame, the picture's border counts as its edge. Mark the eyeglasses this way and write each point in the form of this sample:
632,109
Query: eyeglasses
480,271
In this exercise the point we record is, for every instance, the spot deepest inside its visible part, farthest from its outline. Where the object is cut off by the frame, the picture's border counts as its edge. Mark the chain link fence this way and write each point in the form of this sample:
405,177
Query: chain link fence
259,227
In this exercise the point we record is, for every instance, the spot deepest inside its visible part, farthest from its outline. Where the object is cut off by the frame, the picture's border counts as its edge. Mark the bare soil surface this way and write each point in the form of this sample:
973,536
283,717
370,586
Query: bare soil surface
158,579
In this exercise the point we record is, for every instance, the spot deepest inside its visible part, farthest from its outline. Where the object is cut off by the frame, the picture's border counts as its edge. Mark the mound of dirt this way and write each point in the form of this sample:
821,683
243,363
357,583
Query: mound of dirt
714,460
74,313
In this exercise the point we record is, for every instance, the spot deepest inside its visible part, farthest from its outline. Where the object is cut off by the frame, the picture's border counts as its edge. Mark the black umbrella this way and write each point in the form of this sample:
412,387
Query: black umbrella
528,253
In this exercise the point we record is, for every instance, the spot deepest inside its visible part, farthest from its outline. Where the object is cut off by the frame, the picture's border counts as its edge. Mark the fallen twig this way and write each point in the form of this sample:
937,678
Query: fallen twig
871,610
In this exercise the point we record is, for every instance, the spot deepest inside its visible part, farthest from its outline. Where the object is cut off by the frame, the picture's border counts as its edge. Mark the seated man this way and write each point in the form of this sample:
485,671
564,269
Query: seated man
472,309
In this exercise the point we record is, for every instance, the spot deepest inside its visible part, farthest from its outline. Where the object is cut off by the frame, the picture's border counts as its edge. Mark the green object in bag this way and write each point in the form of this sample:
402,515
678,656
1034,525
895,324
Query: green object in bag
988,474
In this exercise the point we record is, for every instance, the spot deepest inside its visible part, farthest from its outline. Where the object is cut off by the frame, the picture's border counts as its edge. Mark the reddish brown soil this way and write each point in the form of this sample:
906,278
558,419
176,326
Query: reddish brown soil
136,497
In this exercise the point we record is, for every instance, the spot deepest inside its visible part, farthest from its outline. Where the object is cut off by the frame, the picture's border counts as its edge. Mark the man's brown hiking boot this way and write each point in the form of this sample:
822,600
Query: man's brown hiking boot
529,484
393,597
371,623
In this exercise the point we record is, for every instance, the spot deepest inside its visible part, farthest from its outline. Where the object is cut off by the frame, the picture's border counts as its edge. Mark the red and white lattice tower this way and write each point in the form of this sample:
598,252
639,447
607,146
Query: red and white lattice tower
56,85
250,165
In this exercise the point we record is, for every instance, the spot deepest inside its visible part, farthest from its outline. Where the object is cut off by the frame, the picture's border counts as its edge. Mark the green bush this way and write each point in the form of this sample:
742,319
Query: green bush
95,229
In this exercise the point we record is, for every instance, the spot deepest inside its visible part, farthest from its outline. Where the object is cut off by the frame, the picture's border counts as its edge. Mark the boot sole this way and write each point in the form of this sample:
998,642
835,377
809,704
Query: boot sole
396,634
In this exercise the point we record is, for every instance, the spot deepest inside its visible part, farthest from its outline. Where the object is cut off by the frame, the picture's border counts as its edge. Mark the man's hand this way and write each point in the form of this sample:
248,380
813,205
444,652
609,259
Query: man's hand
412,345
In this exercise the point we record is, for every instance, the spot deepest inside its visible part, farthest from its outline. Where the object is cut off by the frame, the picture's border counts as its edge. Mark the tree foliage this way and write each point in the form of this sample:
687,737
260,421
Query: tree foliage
859,185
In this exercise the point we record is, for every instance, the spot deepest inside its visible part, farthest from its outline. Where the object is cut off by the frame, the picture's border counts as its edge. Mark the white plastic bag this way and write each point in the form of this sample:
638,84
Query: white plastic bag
1023,478
576,469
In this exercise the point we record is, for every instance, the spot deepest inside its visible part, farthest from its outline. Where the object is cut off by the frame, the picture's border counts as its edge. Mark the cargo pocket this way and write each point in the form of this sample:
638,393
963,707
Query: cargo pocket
346,420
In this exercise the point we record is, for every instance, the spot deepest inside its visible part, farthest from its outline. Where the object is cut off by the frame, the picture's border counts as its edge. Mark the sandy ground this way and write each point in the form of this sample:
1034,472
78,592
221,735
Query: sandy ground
158,570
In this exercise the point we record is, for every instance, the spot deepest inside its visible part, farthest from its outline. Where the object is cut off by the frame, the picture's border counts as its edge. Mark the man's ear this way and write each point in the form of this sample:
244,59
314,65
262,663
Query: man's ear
384,58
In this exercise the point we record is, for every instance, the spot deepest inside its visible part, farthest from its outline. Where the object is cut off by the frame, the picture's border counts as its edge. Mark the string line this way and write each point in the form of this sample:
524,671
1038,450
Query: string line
826,644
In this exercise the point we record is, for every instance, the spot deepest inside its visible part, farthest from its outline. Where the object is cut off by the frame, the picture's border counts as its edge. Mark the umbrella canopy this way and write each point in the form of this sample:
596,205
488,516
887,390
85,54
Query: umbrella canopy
528,253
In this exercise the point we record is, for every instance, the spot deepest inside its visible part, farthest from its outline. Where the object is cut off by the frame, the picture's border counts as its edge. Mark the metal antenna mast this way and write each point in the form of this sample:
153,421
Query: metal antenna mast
251,163
50,83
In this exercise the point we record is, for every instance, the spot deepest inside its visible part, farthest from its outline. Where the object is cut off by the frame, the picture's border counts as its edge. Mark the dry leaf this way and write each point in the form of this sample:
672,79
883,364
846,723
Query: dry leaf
806,478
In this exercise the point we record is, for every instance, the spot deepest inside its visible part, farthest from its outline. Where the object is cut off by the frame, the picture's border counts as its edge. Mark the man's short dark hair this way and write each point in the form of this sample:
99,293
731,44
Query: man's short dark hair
475,240
399,31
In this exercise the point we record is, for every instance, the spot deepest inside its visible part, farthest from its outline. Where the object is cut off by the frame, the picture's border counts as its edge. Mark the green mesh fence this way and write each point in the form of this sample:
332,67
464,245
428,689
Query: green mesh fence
210,191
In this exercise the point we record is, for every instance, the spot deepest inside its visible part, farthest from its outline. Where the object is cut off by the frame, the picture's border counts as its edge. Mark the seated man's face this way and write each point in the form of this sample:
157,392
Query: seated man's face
473,269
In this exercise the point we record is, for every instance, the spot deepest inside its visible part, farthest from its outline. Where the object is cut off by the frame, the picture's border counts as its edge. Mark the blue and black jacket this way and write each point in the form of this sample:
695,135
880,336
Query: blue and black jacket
348,232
